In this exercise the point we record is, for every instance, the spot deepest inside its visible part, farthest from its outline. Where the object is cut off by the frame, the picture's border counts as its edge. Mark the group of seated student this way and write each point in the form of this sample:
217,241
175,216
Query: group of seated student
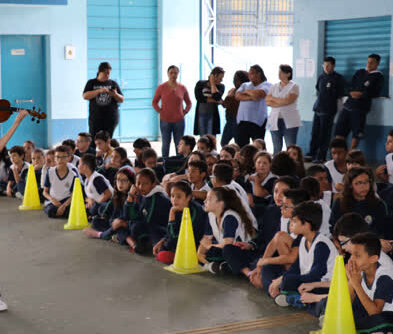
266,219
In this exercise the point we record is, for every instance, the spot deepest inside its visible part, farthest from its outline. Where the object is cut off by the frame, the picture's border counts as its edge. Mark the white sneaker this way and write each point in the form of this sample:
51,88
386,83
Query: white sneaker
281,300
3,306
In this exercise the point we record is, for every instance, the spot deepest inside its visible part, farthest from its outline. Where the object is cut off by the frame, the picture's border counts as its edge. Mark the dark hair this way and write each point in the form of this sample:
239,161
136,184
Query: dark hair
370,241
85,135
4,155
115,143
62,149
69,143
300,170
172,67
248,152
288,180
347,200
261,142
141,143
209,141
356,156
200,155
297,196
390,133
376,57
240,77
200,165
330,60
30,142
283,164
182,186
19,150
89,160
149,173
339,143
287,70
51,151
103,67
119,198
217,70
40,151
311,185
148,153
259,70
102,135
263,154
309,212
229,149
315,169
235,146
233,202
223,172
189,141
349,224
123,155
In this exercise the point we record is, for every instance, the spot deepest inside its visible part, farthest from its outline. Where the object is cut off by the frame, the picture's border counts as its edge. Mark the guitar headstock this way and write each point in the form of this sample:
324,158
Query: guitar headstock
37,115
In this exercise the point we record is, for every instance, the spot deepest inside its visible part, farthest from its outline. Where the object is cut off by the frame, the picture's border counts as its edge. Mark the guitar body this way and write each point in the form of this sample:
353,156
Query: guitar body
6,111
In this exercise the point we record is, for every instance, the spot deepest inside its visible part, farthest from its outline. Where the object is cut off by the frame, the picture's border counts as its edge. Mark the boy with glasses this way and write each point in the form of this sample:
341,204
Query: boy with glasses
83,144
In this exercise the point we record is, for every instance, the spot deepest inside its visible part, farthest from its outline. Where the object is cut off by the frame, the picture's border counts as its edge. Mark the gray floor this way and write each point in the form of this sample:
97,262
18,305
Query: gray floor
58,281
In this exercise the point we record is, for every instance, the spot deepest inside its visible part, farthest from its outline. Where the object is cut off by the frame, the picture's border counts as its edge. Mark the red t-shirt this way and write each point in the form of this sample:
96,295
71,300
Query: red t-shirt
171,109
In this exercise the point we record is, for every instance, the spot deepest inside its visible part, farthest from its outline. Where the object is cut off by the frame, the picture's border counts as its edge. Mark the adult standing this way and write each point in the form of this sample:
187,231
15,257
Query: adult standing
208,94
231,106
252,113
330,88
103,95
172,94
366,85
284,119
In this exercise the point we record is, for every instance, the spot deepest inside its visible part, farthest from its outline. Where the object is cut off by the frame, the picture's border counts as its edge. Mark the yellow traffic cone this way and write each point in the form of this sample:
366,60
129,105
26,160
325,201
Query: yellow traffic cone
186,261
31,198
338,315
77,219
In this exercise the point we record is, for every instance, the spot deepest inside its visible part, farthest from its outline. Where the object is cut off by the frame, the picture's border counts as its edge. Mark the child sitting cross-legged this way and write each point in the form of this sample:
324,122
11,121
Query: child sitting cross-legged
197,175
58,185
316,256
149,159
18,170
181,197
97,188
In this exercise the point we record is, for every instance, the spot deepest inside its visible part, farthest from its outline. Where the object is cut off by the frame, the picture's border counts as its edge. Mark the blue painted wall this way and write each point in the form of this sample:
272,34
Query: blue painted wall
309,18
35,2
62,25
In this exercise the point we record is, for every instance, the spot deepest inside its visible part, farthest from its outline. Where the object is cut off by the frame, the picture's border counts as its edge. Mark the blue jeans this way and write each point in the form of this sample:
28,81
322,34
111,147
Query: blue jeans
205,123
290,136
167,128
230,131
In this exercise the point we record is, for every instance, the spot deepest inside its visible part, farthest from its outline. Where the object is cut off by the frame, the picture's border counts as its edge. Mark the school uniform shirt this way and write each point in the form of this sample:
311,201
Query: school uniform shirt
160,172
199,219
334,174
288,113
108,173
60,188
96,185
370,84
330,88
75,160
231,227
328,198
267,183
326,211
205,187
389,166
315,264
377,218
253,111
22,173
90,150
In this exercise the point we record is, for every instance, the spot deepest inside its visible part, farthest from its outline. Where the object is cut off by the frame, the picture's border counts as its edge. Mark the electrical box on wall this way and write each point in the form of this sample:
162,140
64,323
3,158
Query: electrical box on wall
69,52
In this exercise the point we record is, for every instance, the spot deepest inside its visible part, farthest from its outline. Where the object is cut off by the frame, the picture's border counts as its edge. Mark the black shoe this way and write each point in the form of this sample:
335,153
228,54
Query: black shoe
224,268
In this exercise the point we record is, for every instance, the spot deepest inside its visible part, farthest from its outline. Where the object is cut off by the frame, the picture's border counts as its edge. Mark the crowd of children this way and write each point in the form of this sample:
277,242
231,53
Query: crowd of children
267,219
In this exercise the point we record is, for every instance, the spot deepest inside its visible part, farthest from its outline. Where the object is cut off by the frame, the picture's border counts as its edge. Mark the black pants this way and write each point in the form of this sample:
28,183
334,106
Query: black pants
239,259
249,130
320,135
51,210
97,124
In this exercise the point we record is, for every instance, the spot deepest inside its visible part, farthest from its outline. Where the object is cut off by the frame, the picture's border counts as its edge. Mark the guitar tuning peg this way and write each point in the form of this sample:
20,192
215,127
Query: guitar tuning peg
38,121
33,119
34,108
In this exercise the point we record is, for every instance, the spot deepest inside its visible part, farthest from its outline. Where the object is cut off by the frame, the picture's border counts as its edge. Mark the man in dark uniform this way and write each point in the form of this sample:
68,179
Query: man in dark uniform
330,88
366,85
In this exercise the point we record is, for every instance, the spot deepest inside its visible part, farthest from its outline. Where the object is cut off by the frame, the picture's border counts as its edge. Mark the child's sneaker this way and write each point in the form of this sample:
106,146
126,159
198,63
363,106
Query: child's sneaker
224,268
3,306
213,267
19,195
281,300
294,300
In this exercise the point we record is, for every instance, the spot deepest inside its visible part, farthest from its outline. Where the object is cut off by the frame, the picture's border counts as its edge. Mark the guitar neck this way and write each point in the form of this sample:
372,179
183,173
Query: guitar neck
13,109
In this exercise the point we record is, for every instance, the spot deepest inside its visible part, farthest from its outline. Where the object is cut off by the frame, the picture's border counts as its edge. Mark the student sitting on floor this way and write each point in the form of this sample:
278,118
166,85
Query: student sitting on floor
37,160
320,173
316,256
296,153
49,161
263,179
111,212
5,164
184,148
283,165
385,172
97,188
207,144
104,149
243,256
83,143
227,153
337,166
260,144
29,147
73,158
58,185
370,284
18,170
359,196
181,197
197,174
228,223
139,145
149,159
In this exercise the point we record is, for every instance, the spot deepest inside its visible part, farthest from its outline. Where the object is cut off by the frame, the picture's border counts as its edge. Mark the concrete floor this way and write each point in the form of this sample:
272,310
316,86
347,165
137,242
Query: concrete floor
57,281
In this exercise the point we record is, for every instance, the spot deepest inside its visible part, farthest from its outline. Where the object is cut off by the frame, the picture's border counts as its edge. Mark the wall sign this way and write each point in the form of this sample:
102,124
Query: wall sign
18,52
